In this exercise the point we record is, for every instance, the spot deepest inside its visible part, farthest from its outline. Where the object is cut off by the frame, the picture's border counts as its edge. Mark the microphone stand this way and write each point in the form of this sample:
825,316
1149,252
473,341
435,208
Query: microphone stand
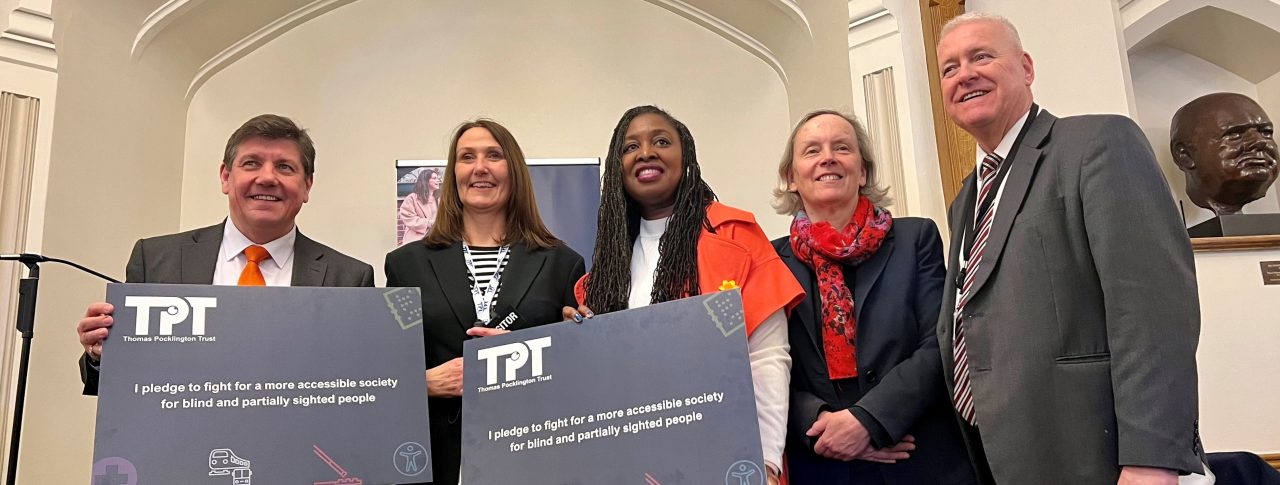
26,325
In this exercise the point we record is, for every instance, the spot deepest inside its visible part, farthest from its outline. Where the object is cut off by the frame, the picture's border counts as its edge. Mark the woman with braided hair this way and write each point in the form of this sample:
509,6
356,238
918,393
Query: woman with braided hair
661,235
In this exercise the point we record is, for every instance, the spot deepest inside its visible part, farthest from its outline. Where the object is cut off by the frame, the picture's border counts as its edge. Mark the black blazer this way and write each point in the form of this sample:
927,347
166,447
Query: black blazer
896,294
535,283
191,257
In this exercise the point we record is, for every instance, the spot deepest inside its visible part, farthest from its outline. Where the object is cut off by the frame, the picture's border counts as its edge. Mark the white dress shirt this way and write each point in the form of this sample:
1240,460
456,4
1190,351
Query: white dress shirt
277,271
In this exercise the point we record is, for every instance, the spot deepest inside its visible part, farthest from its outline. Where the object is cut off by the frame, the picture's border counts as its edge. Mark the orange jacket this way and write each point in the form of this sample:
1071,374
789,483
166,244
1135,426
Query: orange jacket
738,255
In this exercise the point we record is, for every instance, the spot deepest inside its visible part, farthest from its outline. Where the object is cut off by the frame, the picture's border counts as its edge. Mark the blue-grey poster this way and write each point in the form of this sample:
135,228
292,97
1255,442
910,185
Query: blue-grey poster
225,385
659,395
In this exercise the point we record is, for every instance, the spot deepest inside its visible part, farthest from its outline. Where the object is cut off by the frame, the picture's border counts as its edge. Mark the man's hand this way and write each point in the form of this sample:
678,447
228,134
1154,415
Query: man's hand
892,454
93,328
445,380
1141,475
840,436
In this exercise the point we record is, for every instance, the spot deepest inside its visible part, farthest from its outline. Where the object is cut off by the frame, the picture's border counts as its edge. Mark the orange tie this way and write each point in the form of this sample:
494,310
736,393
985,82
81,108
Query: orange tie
252,274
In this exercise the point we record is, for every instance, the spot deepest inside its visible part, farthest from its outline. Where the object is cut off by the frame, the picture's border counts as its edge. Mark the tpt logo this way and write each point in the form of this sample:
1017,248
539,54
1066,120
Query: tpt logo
516,356
173,311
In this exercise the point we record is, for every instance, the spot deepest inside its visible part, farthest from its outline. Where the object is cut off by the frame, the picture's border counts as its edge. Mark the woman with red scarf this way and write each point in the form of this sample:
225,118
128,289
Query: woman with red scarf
868,405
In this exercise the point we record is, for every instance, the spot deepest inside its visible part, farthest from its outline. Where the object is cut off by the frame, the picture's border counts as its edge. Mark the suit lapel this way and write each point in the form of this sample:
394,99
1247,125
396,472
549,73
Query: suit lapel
866,274
805,310
522,268
308,262
1025,162
200,257
451,274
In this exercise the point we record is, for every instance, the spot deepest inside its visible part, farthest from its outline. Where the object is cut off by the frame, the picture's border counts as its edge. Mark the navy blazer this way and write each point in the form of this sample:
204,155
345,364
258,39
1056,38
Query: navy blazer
897,293
536,284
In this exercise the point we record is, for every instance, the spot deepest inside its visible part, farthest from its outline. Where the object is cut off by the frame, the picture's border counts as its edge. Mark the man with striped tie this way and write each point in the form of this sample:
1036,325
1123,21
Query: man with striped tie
266,173
1069,347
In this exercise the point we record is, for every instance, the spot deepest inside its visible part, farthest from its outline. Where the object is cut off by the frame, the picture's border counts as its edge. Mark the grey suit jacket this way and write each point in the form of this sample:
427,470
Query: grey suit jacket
1083,327
190,258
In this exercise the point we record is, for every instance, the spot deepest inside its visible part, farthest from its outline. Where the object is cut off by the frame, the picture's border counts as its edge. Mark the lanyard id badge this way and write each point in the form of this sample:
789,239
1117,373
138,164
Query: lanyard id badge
483,298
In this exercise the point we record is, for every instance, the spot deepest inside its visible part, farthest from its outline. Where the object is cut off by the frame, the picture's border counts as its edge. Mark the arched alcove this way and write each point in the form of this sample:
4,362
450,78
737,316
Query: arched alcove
1202,51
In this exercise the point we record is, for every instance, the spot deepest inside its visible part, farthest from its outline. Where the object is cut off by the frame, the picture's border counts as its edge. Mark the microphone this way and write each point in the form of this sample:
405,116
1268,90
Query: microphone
32,259
24,258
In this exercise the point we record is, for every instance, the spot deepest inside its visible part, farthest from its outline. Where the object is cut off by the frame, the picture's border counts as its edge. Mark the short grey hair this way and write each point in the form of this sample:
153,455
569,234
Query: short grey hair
788,202
976,17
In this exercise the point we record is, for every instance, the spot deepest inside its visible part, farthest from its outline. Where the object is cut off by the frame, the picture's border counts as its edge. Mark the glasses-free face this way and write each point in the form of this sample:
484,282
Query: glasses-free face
265,187
481,171
827,169
986,80
652,164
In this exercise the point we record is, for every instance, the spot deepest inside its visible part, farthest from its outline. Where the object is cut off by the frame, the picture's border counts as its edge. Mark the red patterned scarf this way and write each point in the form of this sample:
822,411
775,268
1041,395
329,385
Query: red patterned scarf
827,251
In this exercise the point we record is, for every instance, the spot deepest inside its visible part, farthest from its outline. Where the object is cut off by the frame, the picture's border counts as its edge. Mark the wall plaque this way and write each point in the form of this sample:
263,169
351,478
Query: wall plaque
1271,272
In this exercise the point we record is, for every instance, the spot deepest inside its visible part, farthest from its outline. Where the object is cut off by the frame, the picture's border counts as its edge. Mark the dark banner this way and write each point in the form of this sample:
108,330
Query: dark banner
237,386
660,395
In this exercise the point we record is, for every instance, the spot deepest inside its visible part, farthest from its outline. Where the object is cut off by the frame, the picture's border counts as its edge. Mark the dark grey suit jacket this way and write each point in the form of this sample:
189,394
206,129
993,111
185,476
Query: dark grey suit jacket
190,258
1083,327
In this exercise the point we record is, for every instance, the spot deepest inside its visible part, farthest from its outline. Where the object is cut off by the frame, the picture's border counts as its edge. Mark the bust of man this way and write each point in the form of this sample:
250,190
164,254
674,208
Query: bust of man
1223,143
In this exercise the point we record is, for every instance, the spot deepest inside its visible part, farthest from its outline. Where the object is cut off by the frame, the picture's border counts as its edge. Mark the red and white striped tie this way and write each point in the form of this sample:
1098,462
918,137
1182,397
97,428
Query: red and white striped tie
962,397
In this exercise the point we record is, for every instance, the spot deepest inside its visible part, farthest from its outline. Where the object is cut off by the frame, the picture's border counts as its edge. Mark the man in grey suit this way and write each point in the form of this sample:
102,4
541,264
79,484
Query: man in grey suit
1069,347
266,173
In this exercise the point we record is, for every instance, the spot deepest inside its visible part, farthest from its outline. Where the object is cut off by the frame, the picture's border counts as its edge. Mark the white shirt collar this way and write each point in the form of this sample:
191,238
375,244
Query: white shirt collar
653,228
234,242
1006,143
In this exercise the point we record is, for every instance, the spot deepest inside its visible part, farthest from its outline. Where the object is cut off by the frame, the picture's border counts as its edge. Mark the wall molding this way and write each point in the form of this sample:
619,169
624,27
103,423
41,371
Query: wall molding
729,32
27,38
792,10
1235,243
157,21
257,39
19,123
167,13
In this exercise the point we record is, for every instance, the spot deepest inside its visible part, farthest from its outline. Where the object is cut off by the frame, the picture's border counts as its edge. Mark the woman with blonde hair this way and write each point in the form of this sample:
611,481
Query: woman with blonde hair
867,398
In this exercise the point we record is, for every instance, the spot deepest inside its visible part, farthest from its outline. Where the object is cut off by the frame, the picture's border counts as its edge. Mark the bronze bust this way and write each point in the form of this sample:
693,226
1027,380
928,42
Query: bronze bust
1223,143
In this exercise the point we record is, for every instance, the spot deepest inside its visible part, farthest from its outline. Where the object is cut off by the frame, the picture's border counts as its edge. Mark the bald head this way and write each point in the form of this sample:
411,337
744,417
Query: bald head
1223,143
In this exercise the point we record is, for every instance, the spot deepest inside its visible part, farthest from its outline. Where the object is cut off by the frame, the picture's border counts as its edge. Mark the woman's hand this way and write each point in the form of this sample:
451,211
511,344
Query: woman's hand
485,331
569,313
445,380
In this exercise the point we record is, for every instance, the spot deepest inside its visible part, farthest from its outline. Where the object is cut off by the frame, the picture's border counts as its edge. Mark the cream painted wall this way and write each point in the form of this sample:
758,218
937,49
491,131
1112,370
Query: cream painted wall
113,176
1164,80
1239,338
1079,53
557,73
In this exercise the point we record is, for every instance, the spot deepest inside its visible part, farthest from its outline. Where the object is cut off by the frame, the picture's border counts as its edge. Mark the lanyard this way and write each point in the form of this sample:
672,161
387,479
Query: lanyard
970,216
483,298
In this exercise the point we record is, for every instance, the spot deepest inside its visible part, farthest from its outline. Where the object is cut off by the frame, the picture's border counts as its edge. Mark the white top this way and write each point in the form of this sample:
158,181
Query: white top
769,347
277,271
